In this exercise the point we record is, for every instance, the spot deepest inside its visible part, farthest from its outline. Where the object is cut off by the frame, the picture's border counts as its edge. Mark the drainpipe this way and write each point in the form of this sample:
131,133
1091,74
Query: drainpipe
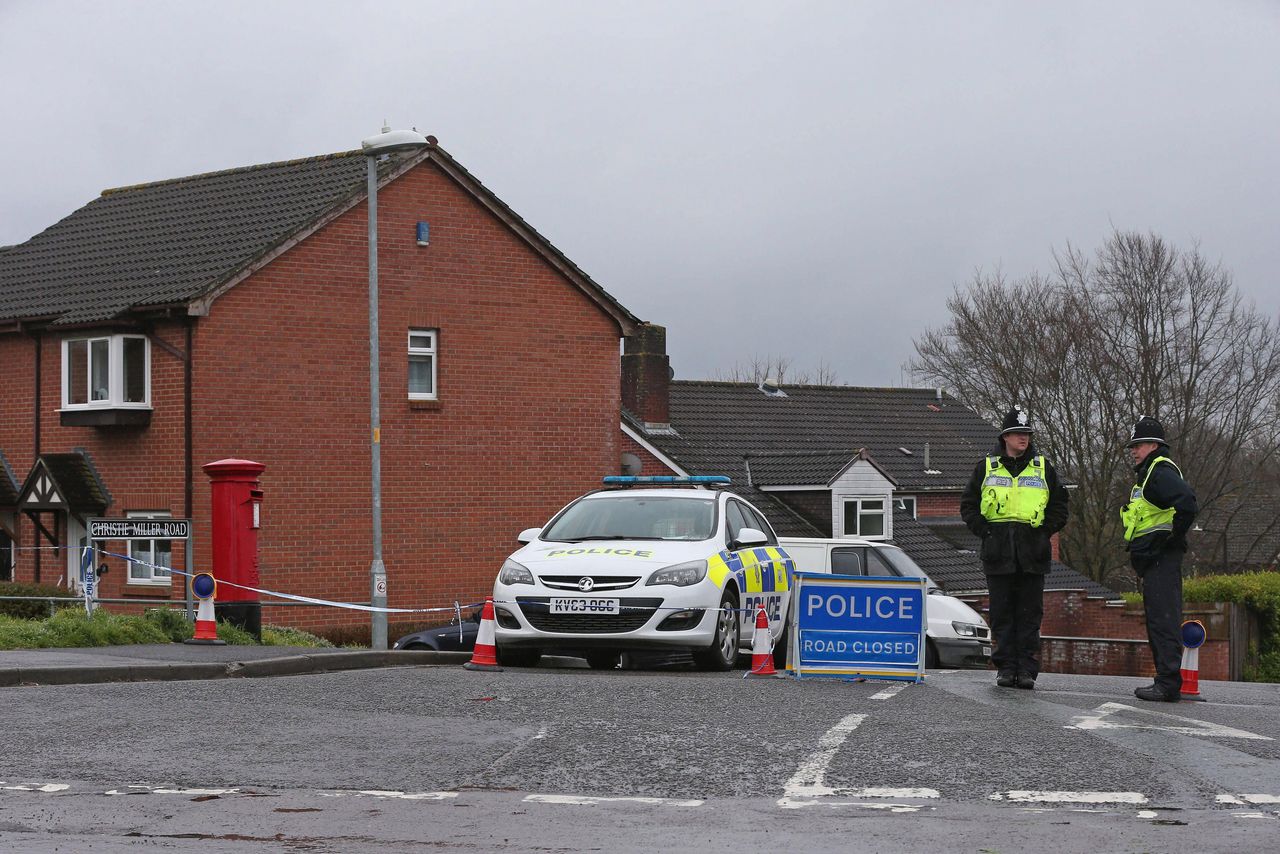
35,430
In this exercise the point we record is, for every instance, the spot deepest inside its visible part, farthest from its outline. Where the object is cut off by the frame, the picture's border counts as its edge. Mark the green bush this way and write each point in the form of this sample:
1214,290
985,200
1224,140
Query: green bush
73,628
1260,592
32,610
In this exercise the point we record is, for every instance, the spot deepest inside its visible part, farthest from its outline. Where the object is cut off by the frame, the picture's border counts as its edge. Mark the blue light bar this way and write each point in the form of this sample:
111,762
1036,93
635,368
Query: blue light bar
626,480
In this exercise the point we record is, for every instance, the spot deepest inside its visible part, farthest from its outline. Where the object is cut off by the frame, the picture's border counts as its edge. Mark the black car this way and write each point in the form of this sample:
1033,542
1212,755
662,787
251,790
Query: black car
447,638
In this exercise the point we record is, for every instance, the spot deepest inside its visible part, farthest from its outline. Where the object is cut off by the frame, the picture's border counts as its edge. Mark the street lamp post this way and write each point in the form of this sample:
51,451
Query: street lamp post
374,147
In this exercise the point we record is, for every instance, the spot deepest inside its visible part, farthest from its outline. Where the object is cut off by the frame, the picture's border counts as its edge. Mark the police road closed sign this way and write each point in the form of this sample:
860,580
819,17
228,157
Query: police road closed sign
858,626
139,529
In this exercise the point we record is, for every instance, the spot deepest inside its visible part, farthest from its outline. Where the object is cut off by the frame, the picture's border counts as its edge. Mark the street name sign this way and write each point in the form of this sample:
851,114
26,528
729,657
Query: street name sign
846,625
139,529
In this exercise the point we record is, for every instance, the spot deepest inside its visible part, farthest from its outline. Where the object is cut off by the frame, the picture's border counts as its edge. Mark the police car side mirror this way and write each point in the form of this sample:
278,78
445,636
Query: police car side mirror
750,537
528,535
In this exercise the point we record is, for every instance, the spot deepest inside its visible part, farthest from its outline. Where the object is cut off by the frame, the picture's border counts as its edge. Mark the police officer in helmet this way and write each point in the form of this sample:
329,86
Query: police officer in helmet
1014,502
1160,511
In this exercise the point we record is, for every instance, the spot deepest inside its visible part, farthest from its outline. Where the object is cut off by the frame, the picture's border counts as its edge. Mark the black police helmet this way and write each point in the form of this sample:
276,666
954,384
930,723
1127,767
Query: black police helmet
1016,421
1146,429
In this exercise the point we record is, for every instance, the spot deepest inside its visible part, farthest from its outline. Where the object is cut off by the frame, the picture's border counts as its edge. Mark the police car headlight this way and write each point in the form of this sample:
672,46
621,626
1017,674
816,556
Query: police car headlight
514,573
966,630
681,575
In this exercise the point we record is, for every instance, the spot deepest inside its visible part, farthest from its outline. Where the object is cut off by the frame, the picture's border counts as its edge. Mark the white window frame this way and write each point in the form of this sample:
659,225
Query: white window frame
858,514
433,353
115,373
147,548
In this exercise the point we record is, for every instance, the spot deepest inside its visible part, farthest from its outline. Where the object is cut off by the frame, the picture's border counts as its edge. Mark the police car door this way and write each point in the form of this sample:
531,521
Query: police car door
758,580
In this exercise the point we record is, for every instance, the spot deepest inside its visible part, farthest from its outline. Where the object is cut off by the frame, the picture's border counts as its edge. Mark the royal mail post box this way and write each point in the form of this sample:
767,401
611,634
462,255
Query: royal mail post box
237,515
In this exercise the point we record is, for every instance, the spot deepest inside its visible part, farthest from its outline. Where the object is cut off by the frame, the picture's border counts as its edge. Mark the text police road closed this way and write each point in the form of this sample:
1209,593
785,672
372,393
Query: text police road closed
859,605
901,648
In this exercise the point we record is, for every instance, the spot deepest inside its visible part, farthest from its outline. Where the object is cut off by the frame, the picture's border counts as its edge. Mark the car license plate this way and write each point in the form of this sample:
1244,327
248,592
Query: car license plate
585,606
986,650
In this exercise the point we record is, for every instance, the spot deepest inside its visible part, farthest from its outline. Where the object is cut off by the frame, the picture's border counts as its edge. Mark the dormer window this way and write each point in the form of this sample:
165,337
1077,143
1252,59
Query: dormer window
106,380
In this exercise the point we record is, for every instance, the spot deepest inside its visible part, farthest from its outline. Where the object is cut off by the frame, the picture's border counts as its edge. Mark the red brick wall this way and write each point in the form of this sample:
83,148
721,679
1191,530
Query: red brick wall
937,504
527,416
650,465
1092,636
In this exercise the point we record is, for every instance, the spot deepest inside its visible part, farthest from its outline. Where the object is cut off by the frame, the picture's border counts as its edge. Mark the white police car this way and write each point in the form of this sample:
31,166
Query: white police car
648,564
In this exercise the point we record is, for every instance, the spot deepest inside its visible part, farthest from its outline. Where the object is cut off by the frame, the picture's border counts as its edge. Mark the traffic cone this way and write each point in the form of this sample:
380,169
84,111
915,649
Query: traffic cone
206,624
485,656
762,647
1191,671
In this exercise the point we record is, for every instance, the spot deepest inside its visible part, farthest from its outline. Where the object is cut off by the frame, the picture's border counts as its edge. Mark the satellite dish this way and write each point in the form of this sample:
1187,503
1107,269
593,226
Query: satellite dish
631,464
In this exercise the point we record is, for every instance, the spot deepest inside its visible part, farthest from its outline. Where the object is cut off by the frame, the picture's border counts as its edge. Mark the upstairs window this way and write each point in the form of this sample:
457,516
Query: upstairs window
106,371
864,517
422,363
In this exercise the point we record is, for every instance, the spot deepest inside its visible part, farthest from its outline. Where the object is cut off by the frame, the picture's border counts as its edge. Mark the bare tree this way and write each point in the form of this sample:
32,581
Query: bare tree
1138,328
778,368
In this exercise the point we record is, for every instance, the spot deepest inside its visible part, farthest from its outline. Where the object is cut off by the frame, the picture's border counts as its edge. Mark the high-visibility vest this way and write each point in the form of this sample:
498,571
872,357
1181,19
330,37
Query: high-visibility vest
1140,516
1006,498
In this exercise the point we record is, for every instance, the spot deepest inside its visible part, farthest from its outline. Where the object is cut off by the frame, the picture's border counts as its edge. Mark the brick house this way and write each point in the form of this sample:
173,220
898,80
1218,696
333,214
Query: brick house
172,324
823,461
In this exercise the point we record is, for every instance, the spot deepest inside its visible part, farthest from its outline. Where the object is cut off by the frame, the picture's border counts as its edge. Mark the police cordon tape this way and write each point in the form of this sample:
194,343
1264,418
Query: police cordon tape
456,608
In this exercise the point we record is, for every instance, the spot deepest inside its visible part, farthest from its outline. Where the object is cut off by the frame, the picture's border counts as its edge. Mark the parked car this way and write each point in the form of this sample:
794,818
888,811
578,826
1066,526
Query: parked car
957,636
447,638
657,564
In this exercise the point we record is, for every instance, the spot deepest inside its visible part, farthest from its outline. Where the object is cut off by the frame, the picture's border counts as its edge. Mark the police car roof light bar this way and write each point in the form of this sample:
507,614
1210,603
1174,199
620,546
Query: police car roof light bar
632,480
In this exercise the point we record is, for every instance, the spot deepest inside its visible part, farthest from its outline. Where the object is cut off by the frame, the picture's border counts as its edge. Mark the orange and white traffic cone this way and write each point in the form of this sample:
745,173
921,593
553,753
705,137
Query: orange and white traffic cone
203,587
762,647
1191,671
485,656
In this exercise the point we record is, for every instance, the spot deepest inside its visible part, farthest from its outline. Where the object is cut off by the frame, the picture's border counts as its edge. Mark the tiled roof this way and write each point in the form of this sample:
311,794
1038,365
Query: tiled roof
805,468
718,422
957,536
950,569
1236,533
171,242
77,479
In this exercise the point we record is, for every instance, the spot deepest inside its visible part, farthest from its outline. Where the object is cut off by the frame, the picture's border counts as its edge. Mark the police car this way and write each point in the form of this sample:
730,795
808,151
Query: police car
650,563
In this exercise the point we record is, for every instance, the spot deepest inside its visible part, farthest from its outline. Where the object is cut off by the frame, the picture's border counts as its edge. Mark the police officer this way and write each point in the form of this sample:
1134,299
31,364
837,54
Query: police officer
1014,503
1160,511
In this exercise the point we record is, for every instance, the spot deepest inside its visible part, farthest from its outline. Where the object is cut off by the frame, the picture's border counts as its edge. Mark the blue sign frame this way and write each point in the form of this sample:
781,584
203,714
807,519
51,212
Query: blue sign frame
853,625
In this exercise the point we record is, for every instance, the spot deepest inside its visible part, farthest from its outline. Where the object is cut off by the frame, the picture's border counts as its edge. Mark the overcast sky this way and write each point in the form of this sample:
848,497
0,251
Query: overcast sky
809,180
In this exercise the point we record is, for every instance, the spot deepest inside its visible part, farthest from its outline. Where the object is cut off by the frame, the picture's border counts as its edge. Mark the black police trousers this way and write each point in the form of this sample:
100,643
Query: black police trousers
1162,600
1017,607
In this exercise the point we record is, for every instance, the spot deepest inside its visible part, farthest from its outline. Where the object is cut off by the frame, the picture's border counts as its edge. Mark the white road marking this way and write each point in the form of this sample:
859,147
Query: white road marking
164,790
1147,814
889,692
1099,718
1248,799
808,783
1027,796
588,801
408,796
47,787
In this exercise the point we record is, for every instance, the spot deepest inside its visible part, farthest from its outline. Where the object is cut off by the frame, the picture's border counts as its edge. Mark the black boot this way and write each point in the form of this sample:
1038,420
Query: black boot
1156,694
1006,678
1027,681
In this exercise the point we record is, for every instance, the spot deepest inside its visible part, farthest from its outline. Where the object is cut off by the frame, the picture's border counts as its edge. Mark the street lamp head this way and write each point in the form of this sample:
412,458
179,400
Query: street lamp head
392,140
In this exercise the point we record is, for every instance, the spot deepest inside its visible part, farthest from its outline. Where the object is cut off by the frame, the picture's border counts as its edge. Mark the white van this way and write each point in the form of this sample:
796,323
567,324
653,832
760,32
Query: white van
957,634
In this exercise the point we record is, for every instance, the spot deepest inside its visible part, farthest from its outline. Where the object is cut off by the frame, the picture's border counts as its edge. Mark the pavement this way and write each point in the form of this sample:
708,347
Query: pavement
159,662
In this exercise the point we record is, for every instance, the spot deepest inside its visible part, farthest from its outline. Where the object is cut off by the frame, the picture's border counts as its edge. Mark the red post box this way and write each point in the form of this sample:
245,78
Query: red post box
237,508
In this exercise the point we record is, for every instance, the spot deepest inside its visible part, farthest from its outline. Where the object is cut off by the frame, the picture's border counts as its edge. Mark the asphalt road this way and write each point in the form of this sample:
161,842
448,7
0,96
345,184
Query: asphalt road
439,758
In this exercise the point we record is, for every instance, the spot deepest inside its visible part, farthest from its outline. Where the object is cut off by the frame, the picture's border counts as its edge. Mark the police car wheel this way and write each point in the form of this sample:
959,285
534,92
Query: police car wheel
722,654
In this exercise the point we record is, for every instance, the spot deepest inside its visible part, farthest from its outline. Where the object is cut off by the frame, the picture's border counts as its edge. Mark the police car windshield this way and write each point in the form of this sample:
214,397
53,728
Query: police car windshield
904,565
634,517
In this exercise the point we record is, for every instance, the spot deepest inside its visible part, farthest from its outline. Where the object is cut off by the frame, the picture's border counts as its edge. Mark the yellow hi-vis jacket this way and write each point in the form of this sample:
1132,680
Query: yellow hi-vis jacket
1006,498
1140,516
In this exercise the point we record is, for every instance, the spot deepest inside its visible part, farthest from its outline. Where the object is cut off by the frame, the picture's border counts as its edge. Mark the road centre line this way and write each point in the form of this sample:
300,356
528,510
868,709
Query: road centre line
589,801
1248,799
889,692
1025,796
807,781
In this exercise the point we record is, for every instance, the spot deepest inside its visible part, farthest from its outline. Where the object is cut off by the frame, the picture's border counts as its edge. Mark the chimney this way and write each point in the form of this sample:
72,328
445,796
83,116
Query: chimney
646,376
